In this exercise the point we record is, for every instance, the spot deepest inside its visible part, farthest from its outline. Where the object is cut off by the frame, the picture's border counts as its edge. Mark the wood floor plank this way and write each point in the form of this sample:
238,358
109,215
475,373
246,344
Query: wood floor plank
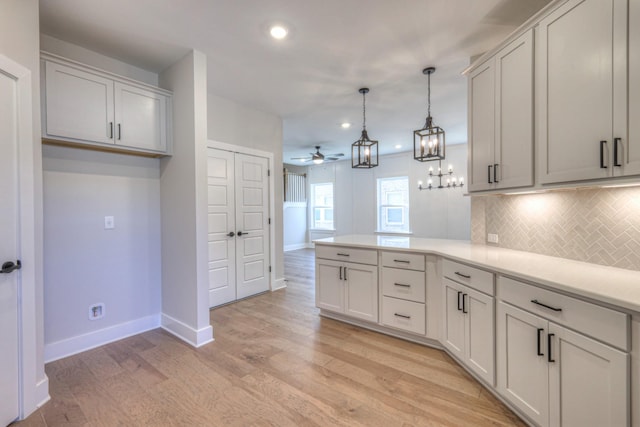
274,362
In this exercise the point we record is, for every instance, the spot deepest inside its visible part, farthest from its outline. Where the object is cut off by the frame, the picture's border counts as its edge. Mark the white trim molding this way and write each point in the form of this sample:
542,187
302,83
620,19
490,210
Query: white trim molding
186,333
279,284
70,346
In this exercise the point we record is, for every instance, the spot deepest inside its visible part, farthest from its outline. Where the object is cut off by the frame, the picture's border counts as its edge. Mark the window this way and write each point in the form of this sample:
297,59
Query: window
393,205
322,206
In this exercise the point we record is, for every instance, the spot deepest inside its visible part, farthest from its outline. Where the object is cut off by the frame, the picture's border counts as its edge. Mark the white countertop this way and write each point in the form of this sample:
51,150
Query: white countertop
615,286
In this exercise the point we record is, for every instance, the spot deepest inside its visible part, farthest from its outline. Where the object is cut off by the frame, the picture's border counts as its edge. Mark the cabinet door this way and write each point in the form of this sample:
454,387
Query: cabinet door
454,319
329,285
361,291
523,373
141,117
582,69
514,113
629,149
78,105
481,127
479,351
589,381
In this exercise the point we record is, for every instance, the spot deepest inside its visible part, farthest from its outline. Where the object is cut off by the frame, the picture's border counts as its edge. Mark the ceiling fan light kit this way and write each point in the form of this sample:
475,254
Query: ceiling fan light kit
364,152
318,158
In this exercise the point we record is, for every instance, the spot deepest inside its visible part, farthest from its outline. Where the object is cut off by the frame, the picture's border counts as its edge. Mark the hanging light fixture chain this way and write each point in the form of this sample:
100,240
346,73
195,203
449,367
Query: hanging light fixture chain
429,94
364,111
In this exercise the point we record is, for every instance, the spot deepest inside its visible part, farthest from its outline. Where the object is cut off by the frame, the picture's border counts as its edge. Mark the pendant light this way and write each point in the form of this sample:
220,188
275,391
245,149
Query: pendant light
364,152
428,142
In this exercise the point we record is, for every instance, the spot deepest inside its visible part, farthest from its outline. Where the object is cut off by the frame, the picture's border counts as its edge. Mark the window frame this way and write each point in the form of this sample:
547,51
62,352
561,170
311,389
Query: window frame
324,208
383,225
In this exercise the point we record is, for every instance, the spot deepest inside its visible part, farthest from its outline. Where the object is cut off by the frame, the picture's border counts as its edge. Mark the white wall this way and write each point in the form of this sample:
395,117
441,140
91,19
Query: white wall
19,41
183,182
441,213
232,123
86,264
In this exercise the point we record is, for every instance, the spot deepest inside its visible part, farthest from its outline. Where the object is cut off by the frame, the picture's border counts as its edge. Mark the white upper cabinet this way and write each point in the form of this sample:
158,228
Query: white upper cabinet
581,95
82,105
629,150
501,118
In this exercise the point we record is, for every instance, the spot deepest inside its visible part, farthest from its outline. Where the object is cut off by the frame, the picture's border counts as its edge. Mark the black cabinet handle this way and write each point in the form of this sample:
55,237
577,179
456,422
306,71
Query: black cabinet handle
345,273
110,130
495,172
489,174
402,285
540,353
340,273
402,261
404,316
240,233
459,295
602,144
231,234
339,254
464,303
119,132
462,275
549,357
9,267
535,301
616,141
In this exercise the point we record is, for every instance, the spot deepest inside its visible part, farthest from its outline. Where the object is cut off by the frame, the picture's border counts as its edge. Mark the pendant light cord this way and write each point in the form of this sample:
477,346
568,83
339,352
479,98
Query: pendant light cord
364,115
429,95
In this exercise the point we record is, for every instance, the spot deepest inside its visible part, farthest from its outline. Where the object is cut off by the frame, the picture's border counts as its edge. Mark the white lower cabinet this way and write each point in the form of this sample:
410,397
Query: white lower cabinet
469,328
556,376
347,288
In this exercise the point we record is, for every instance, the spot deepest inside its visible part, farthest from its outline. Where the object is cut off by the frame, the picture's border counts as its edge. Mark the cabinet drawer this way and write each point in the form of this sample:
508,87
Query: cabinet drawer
403,260
406,315
604,324
403,284
473,277
339,253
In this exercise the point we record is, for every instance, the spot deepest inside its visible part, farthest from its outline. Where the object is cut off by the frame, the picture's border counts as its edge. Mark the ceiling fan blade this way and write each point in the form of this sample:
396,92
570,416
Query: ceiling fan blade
335,155
331,158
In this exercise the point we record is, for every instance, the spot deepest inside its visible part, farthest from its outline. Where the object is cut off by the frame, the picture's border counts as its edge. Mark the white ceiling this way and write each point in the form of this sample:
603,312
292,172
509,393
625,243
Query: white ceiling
311,79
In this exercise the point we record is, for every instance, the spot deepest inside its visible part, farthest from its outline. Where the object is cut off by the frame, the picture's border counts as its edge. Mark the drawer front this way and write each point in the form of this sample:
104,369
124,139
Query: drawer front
406,315
404,284
339,253
403,260
475,278
602,323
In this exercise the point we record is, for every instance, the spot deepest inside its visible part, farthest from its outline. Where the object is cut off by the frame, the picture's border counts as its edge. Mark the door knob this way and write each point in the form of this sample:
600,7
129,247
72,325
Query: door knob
231,234
240,233
9,266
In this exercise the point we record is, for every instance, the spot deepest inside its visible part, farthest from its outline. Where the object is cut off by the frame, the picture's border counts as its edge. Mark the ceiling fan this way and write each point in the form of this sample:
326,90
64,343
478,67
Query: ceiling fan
318,157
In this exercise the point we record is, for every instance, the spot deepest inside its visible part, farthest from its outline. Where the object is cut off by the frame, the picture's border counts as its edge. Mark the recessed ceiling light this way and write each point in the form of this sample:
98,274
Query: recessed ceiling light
345,125
398,146
278,32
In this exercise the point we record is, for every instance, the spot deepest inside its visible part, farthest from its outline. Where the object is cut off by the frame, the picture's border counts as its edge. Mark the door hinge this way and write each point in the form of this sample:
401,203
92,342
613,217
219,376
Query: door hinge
268,172
269,269
269,220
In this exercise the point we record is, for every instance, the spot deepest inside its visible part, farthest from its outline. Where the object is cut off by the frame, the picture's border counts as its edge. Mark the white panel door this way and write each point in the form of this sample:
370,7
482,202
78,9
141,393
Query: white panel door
140,117
589,381
481,127
361,299
9,386
222,226
479,332
252,224
78,105
582,67
523,373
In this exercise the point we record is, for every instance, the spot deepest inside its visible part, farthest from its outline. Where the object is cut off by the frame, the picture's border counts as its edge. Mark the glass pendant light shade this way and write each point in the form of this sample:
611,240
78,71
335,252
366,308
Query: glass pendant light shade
429,142
364,152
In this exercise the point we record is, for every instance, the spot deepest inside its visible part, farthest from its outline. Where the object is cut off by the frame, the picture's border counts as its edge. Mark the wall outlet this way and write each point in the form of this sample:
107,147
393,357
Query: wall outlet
492,238
96,311
109,223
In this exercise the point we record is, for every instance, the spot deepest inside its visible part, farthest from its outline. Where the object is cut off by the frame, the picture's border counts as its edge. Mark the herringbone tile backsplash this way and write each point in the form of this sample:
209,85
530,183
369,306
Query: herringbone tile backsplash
600,226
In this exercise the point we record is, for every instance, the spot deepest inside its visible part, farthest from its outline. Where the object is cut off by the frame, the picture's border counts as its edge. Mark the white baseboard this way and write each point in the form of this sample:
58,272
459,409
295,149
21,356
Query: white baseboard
70,346
194,337
42,391
279,284
295,247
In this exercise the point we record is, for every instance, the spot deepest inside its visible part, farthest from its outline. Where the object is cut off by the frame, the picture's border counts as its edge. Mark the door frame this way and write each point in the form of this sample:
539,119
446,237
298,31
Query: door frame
259,153
34,384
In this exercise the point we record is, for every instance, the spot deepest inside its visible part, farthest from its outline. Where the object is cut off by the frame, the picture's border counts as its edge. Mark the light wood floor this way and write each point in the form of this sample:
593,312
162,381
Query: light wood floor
274,362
